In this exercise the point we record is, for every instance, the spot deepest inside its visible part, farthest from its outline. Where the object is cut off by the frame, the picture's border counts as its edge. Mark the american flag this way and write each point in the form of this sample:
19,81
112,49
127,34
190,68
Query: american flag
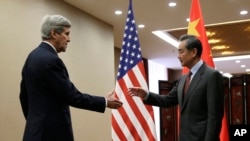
134,121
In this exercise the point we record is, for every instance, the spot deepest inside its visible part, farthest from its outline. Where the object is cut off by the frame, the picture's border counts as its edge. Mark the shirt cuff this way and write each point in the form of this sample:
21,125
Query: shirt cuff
146,96
106,101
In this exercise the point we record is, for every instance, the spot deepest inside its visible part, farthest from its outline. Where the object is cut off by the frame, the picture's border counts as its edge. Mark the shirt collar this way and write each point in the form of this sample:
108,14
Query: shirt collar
50,45
196,67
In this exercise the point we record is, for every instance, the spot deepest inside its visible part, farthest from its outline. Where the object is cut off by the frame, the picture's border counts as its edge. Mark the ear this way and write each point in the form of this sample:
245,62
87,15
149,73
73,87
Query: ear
194,52
53,33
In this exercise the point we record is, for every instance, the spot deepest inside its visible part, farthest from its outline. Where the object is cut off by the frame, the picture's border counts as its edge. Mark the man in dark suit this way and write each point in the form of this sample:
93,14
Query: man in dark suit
202,105
46,91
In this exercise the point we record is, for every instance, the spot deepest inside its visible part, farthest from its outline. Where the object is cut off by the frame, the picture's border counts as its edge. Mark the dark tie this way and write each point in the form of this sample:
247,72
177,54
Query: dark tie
187,82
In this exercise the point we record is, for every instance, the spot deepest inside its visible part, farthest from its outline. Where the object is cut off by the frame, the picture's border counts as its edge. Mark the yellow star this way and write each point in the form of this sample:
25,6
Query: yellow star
192,28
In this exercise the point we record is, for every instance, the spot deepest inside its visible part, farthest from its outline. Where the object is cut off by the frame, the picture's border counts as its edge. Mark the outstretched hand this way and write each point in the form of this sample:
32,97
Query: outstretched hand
137,91
112,102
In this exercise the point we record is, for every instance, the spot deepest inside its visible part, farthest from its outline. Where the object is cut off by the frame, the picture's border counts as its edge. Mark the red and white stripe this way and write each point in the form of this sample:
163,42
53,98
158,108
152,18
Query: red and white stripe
134,121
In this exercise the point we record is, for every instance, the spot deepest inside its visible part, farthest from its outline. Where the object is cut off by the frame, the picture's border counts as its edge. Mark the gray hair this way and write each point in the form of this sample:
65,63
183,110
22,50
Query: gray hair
56,22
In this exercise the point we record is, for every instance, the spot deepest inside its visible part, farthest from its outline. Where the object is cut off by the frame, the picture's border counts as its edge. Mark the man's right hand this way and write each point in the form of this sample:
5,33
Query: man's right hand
137,91
112,102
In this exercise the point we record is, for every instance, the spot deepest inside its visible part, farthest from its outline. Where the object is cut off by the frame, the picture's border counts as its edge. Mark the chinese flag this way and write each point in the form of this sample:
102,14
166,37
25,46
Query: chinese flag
196,27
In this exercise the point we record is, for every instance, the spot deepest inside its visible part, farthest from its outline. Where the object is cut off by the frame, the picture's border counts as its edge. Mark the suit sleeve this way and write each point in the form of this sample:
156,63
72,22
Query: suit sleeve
58,79
215,105
168,100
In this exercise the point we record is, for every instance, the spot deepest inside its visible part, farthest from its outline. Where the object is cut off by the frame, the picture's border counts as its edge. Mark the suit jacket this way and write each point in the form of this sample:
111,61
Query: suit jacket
46,94
202,109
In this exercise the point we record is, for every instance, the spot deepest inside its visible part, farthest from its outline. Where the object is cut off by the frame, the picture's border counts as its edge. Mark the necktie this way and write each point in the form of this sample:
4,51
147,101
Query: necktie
187,82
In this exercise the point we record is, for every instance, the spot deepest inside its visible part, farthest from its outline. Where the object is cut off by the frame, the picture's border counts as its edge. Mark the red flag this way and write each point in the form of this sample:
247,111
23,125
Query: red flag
196,27
134,120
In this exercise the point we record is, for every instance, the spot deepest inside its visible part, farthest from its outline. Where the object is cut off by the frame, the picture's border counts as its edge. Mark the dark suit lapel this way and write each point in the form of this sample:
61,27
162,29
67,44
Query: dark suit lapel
194,83
180,89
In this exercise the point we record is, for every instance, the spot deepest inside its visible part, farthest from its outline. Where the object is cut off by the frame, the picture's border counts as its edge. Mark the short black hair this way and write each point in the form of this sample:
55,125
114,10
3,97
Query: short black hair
192,42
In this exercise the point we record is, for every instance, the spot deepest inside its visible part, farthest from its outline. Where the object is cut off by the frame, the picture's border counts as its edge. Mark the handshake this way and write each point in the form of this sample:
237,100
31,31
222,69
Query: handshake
114,103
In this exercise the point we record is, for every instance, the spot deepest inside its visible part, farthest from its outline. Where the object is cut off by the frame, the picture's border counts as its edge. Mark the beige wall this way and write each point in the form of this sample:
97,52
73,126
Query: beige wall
89,59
